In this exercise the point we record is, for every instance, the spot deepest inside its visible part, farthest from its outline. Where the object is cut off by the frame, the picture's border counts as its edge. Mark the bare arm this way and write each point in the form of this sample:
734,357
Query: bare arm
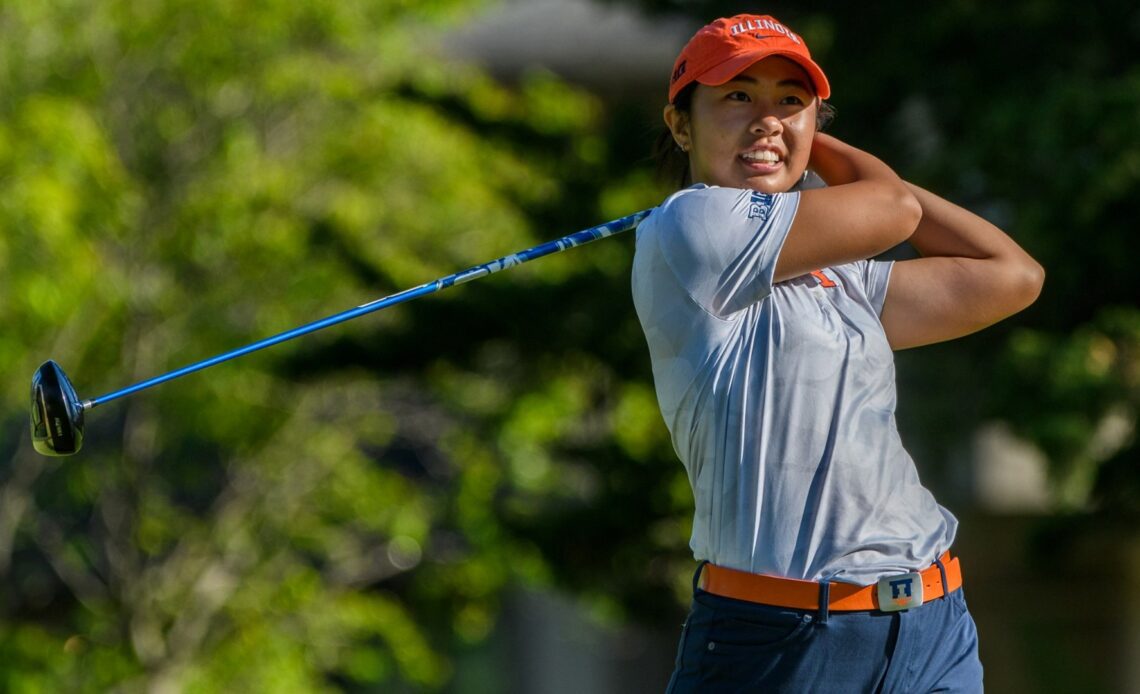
865,210
971,276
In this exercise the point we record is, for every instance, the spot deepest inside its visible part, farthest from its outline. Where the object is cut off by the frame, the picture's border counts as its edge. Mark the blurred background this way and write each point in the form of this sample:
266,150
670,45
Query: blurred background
474,492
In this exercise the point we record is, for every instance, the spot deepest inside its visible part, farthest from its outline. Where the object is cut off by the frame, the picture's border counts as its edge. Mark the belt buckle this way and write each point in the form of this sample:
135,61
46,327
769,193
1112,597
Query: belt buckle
899,592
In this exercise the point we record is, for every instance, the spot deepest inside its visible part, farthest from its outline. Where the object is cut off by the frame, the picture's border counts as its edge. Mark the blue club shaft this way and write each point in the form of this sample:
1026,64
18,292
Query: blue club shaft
550,247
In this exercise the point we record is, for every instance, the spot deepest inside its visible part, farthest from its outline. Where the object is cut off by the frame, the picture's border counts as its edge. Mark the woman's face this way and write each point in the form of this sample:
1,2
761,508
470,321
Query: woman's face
755,131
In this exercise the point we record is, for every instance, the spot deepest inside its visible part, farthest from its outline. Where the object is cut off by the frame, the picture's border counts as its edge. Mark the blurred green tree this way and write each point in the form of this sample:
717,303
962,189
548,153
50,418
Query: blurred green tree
179,178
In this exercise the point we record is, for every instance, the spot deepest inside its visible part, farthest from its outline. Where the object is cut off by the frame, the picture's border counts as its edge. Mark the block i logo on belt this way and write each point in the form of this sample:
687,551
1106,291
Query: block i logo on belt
899,592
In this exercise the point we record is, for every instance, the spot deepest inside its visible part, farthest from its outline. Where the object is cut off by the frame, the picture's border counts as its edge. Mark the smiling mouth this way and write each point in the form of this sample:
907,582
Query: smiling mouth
761,157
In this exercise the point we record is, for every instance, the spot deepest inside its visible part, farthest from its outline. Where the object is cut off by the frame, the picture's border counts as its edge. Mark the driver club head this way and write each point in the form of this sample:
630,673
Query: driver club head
57,414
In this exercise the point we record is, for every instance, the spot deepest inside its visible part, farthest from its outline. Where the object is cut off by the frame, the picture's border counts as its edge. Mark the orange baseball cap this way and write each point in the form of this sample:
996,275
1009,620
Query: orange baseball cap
723,49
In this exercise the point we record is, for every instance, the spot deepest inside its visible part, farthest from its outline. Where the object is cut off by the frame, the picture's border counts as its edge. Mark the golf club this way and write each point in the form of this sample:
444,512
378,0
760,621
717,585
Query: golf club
57,412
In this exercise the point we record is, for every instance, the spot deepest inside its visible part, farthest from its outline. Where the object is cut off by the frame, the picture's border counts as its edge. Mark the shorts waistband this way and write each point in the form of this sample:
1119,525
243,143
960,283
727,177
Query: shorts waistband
805,595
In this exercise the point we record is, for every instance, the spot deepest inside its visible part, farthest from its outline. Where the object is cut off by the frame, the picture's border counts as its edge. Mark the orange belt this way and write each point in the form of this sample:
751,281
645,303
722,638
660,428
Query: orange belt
804,595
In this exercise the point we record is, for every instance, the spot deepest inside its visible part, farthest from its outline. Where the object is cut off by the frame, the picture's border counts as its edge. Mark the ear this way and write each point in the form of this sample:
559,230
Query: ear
678,123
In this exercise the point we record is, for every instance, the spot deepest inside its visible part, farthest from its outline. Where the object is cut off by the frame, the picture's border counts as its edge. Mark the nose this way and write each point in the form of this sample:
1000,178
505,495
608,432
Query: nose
766,125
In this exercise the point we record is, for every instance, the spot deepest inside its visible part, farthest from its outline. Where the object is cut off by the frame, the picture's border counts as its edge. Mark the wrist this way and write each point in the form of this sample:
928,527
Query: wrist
831,160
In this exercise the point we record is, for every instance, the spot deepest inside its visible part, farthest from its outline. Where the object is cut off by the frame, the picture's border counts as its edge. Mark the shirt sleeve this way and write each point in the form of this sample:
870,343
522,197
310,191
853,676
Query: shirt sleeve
722,243
876,279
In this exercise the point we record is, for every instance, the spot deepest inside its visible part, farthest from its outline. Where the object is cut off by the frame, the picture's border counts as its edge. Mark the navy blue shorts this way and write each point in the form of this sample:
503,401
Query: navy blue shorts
731,645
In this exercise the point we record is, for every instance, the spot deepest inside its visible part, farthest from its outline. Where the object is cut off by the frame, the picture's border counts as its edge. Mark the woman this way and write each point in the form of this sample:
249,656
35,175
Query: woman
825,563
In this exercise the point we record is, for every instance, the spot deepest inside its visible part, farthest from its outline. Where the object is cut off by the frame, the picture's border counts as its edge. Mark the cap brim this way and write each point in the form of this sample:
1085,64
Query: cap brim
719,74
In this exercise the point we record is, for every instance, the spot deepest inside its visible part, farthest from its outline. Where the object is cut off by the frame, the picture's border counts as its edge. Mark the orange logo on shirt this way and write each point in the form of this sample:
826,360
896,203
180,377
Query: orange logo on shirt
824,280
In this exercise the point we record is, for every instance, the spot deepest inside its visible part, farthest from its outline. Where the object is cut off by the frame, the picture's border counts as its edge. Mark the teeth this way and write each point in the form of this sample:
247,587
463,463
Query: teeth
762,155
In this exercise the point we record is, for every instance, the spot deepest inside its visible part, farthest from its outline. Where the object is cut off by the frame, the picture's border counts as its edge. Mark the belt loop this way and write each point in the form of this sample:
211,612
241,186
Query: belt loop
824,600
942,570
697,575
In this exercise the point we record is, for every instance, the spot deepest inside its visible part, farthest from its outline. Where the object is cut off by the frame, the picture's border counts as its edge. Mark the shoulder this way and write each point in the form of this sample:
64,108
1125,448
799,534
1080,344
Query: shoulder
700,206
706,199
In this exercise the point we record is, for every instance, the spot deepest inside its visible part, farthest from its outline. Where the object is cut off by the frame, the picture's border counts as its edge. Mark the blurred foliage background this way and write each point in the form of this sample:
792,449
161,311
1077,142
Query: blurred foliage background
181,177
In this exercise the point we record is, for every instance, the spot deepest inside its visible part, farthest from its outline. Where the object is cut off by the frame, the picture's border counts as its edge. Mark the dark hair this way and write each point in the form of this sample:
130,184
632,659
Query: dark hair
673,164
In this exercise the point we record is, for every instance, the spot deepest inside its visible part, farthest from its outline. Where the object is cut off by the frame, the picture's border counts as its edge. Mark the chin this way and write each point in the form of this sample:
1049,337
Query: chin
769,186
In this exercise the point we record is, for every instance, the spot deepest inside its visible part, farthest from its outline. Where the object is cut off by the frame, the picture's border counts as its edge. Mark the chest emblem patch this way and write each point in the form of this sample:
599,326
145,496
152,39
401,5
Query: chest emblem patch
824,280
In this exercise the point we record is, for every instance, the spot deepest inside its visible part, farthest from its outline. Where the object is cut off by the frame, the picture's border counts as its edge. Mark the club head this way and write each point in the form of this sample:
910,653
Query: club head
57,414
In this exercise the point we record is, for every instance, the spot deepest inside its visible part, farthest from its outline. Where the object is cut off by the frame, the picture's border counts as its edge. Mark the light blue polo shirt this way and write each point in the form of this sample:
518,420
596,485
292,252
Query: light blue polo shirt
780,399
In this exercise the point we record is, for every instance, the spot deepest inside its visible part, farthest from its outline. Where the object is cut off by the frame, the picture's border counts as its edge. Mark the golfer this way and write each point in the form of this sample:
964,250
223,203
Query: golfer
825,565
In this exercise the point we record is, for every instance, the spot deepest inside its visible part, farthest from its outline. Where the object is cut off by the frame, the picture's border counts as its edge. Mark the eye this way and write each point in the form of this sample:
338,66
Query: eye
792,100
738,95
